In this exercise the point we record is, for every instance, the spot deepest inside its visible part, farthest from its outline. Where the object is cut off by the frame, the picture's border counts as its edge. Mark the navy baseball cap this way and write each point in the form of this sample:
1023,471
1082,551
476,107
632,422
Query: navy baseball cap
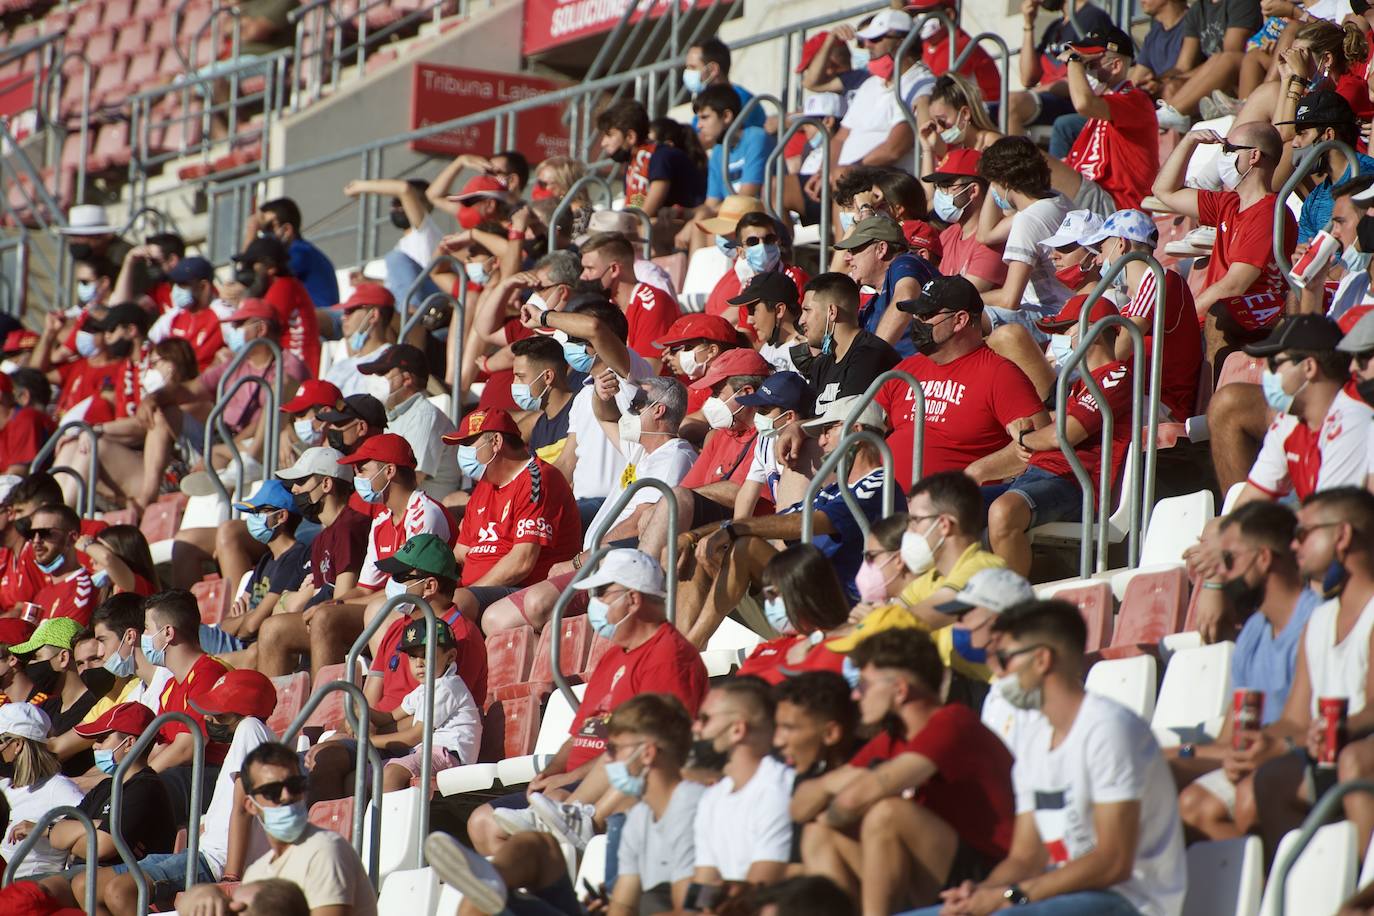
781,389
189,270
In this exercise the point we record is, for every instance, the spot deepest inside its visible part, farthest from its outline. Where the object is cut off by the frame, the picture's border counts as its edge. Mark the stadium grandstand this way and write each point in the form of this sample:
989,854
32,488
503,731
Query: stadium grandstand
567,457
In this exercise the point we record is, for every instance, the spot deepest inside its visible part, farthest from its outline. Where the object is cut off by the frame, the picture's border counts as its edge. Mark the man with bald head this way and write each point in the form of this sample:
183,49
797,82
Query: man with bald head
1245,288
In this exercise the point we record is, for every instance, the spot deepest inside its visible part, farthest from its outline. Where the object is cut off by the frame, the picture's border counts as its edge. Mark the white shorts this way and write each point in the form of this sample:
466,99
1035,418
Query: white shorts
1217,784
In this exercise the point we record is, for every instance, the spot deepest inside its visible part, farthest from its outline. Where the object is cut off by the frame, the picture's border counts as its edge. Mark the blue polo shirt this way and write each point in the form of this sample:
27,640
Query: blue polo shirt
315,271
1264,661
1316,207
903,266
748,155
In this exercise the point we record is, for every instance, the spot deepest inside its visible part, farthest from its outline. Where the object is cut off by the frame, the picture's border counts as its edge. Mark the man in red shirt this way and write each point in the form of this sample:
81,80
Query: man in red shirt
958,825
521,518
1245,291
935,48
1048,491
264,270
975,400
60,584
609,259
171,639
1117,151
23,430
649,656
191,318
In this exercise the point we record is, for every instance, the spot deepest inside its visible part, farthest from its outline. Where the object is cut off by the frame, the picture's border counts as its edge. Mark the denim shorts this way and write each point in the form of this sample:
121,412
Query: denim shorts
167,872
1024,316
1051,498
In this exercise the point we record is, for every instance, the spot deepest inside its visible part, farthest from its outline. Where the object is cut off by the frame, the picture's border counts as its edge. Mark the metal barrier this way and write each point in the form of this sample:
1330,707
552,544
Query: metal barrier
556,618
85,429
837,462
646,223
81,504
914,38
1003,113
403,307
566,203
40,827
670,499
1310,159
427,741
918,413
215,422
737,125
278,381
773,184
460,309
1320,814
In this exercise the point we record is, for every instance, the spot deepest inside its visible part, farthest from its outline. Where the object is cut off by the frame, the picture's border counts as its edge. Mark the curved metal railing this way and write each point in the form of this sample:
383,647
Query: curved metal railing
278,382
670,499
566,203
561,605
1310,159
215,422
918,413
646,223
46,452
772,184
40,827
81,505
1003,113
913,38
837,462
1320,815
737,125
403,307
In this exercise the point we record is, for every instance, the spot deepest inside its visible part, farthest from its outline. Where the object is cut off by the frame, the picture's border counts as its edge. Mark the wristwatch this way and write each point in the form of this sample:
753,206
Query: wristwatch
1015,896
1021,437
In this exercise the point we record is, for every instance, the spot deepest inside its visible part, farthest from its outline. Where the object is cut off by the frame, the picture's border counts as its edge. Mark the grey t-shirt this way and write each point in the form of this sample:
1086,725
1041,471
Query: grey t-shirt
662,851
1208,20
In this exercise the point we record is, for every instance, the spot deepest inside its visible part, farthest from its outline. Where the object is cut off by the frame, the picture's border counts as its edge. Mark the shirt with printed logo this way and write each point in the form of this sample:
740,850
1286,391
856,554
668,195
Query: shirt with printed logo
1114,379
650,314
1295,458
534,507
423,515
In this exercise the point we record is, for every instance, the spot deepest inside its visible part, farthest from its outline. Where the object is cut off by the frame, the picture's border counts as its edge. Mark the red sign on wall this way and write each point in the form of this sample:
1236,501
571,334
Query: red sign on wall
440,94
550,23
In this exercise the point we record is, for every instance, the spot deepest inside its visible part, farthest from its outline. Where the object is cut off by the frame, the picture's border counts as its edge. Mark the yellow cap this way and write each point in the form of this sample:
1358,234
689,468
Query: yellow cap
887,617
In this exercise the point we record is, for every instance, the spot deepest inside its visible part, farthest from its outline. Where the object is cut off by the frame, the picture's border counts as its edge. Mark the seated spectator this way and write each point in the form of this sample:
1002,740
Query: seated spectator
94,276
803,603
307,429
104,374
191,318
747,243
88,233
281,218
34,786
958,200
19,572
1046,96
143,274
171,639
707,64
978,67
958,117
828,67
815,720
771,308
1245,291
366,331
1351,300
807,151
49,661
861,830
608,260
412,213
23,429
351,422
120,561
1214,41
690,346
781,402
630,226
876,255
1159,51
657,175
717,108
1320,116
1261,586
402,377
262,268
539,365
56,580
1090,760
118,627
1077,266
966,646
840,358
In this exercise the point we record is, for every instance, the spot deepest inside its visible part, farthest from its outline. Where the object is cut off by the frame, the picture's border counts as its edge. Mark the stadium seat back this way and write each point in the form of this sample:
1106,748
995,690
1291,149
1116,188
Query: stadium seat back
292,691
592,870
1225,878
676,266
510,654
557,721
330,713
211,595
1094,601
1129,681
516,722
1152,607
599,648
1195,695
336,815
1241,367
575,636
1175,525
413,891
1323,876
161,520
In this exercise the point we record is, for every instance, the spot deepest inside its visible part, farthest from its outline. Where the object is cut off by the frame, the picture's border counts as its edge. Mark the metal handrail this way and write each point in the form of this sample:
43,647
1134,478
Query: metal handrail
1319,815
403,307
851,439
58,74
1311,157
40,828
776,163
647,224
278,383
427,741
738,124
81,505
912,38
1106,477
460,308
163,223
215,422
46,452
126,854
28,46
566,203
1003,113
918,413
556,618
623,500
419,313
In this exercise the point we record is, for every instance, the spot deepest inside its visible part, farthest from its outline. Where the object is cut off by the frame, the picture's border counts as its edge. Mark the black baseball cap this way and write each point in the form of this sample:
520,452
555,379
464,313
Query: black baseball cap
120,315
398,356
357,407
414,636
1313,333
772,287
189,270
1109,39
1322,107
944,294
264,248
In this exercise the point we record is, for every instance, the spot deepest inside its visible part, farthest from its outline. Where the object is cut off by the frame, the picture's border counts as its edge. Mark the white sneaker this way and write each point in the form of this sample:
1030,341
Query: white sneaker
570,822
462,868
515,820
1170,118
1202,238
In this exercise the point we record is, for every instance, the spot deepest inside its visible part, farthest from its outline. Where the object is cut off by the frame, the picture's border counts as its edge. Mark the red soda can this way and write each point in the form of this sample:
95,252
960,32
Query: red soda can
30,612
1247,707
1332,711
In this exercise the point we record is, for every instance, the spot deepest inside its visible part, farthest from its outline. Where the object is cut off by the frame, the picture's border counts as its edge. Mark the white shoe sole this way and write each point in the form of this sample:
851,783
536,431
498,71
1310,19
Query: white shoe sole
450,862
515,820
550,814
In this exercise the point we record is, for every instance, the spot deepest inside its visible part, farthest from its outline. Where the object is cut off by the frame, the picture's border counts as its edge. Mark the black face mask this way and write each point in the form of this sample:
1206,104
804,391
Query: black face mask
621,155
310,511
154,273
1241,595
703,755
24,526
258,288
80,250
119,349
218,733
335,438
1365,389
1052,6
245,276
398,219
6,770
98,680
1364,234
43,675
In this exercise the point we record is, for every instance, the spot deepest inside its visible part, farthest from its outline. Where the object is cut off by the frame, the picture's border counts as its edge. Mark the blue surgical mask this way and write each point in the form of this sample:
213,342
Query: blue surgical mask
622,780
233,338
858,58
1354,260
828,341
363,487
525,398
286,823
1274,395
597,613
763,257
775,609
52,565
468,463
477,272
307,433
86,292
358,340
850,672
692,81
100,578
816,141
1333,582
726,246
1061,348
151,652
119,665
104,761
963,644
182,297
577,356
86,345
258,528
846,220
1002,203
945,207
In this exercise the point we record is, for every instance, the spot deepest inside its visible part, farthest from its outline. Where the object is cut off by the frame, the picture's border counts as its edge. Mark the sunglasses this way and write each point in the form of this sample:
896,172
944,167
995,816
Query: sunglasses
1301,532
47,534
1004,657
769,239
1233,147
1276,361
273,791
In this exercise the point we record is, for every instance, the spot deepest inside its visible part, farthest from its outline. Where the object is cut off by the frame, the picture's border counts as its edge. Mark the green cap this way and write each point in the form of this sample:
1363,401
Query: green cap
425,553
414,636
874,229
55,631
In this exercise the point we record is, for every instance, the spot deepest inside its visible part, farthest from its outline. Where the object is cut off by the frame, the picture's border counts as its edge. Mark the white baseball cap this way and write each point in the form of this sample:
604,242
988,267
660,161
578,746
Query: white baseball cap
994,589
24,720
631,568
1077,226
320,459
7,483
88,219
824,104
837,411
886,22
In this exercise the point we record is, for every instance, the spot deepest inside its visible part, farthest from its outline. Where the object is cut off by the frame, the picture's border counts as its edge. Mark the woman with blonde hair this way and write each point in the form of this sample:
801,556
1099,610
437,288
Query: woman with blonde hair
555,176
1323,55
33,784
958,120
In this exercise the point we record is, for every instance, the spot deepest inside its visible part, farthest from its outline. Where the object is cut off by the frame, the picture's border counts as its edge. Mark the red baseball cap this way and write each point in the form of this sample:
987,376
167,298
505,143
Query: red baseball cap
19,340
13,630
478,187
698,326
250,309
387,448
369,295
313,393
811,49
958,163
482,421
1068,315
243,691
740,361
129,718
921,234
921,6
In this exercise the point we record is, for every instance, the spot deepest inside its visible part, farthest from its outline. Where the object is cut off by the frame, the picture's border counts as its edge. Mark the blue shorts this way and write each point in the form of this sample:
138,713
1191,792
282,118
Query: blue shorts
1024,316
167,872
1051,498
214,641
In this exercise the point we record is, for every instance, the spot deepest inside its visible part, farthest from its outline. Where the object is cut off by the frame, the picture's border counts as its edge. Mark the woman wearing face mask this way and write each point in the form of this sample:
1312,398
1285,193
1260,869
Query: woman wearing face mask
367,333
33,784
121,561
804,603
958,120
883,575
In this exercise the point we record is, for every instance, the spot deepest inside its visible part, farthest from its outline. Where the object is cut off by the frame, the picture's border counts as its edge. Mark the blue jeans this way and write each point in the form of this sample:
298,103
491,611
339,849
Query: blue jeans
1065,132
1052,498
167,872
401,271
214,641
1083,903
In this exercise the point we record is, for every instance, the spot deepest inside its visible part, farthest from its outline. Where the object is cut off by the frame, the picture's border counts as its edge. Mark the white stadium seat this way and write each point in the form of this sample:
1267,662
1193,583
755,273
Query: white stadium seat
1323,876
1129,681
1225,878
1193,699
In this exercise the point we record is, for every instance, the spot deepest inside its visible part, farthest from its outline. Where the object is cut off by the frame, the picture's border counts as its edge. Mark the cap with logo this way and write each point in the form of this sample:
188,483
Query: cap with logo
425,553
190,270
884,23
698,326
944,294
781,389
58,632
628,567
273,494
356,407
413,636
1074,230
1068,316
241,692
482,420
921,234
739,361
1133,225
732,209
313,393
18,341
994,589
772,287
958,163
387,448
838,410
1109,39
318,459
873,229
1299,332
1322,108
126,718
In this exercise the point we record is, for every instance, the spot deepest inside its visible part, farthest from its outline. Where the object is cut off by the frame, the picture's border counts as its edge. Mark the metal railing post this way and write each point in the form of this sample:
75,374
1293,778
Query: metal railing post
556,619
455,345
403,307
1311,157
85,429
1002,114
1319,815
40,827
566,203
670,499
837,463
81,505
646,223
737,124
772,183
913,38
918,413
278,381
215,422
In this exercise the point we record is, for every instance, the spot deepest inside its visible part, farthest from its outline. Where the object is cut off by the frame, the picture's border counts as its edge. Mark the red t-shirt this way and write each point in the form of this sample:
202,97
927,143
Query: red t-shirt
72,595
176,697
637,175
1115,380
969,402
1182,363
768,661
1121,154
394,668
23,435
971,788
724,456
1247,237
1352,86
536,507
665,663
980,65
142,587
115,381
295,310
200,329
20,577
970,258
650,314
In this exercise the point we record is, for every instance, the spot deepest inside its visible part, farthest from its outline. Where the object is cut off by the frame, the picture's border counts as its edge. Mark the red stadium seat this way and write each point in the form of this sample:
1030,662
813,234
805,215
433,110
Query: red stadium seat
330,713
109,82
211,595
142,69
145,10
99,48
111,149
509,656
675,265
85,22
335,815
1241,367
1190,617
131,36
1152,608
292,690
514,723
1094,602
162,519
120,517
117,14
599,648
575,636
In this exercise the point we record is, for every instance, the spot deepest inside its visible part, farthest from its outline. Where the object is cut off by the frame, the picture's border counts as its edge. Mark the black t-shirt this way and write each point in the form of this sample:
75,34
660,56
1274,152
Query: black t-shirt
65,721
147,824
550,430
275,575
868,357
686,183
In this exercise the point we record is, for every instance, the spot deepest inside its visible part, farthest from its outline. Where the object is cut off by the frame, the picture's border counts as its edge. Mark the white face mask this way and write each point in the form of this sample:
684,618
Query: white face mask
1009,686
917,553
768,426
1229,170
629,427
718,413
378,387
691,366
930,28
152,382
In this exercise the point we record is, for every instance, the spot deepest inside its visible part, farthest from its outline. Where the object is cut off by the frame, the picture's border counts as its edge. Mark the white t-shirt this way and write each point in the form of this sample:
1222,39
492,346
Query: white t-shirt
874,111
1293,457
764,467
460,721
599,466
1337,669
736,828
343,373
1008,722
1108,756
214,825
662,850
780,356
422,514
669,463
1029,227
423,425
1352,291
419,245
150,694
29,804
